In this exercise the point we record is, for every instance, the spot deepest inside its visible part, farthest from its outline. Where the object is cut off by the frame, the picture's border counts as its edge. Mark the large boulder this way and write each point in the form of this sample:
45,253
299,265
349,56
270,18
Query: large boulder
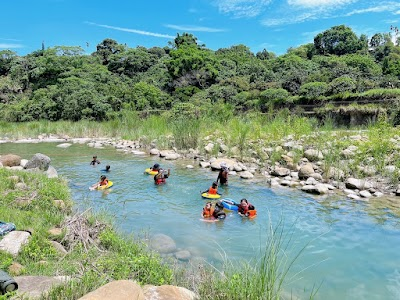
246,175
305,171
12,243
32,287
168,292
162,243
51,172
10,160
216,164
209,148
154,151
119,289
280,172
360,184
40,161
183,255
172,156
313,155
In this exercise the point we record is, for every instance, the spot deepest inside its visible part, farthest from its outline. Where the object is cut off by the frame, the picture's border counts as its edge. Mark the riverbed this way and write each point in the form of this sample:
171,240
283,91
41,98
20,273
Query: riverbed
352,248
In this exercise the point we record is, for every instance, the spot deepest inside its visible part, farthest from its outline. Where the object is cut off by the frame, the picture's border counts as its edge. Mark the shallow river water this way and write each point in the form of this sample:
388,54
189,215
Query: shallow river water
353,248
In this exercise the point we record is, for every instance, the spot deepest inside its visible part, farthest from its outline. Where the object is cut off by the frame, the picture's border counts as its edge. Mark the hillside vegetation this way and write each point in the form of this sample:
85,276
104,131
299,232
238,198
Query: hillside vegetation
64,83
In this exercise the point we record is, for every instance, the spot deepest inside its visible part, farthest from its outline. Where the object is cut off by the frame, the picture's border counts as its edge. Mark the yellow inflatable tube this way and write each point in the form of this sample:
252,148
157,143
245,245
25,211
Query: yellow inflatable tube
103,187
150,171
210,196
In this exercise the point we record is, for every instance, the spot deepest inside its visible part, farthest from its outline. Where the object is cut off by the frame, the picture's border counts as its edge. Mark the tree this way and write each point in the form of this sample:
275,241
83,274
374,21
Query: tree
107,48
338,40
6,58
186,39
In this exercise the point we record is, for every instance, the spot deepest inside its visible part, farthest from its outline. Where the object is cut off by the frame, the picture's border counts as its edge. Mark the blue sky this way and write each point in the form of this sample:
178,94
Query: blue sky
271,24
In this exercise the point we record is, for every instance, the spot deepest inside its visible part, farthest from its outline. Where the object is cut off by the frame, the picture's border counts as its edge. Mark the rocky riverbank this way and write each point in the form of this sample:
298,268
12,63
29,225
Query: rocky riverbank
318,164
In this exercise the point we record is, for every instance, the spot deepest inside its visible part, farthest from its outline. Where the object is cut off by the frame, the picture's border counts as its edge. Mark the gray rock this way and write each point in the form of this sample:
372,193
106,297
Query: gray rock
347,153
378,194
237,168
369,170
354,197
64,145
360,184
335,173
246,175
204,164
285,182
311,181
40,161
281,172
313,155
154,151
51,172
321,189
209,148
365,194
21,186
330,187
60,249
172,156
34,286
12,243
352,148
183,255
316,176
23,162
305,171
137,152
16,168
308,188
390,169
223,148
348,191
189,167
163,153
162,243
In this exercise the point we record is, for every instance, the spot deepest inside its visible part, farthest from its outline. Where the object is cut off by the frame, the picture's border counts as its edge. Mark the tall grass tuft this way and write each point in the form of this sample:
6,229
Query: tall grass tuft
265,277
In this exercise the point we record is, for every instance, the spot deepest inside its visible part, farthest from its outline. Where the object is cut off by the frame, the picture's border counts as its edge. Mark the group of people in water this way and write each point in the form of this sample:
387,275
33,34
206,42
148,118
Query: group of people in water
209,212
103,178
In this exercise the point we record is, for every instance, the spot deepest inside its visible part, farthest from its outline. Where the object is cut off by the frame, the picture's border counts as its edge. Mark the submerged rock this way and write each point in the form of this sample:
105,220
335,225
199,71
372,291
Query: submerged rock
162,243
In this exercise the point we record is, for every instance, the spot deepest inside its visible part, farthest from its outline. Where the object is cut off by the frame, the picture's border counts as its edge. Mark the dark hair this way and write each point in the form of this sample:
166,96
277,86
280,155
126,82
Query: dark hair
108,166
245,200
102,177
214,183
156,165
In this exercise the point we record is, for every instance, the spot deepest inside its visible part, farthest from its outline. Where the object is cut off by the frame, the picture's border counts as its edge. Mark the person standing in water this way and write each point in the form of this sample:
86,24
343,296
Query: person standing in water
94,161
223,174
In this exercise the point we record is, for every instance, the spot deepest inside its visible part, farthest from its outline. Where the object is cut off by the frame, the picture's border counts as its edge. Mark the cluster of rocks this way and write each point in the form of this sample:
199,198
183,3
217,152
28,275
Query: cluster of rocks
38,163
166,246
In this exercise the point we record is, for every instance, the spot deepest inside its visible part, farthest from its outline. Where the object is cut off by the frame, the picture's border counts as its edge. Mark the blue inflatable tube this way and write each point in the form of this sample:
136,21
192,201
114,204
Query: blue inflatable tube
229,204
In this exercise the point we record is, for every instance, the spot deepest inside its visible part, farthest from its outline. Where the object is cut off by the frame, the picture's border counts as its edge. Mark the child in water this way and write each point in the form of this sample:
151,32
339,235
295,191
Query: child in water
94,161
244,207
160,177
207,210
107,169
213,190
103,181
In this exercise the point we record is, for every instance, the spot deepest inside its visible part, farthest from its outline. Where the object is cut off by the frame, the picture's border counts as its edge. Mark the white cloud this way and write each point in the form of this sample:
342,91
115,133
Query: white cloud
194,28
290,20
242,8
384,7
10,46
320,3
397,12
11,40
160,35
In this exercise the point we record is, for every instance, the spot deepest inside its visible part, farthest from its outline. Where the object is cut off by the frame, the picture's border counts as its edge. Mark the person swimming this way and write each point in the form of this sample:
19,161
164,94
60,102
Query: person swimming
94,161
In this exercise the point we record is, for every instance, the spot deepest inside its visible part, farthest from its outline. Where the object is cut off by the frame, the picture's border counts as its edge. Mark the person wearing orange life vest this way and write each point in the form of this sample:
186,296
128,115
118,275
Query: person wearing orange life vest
207,211
244,206
160,177
103,181
213,190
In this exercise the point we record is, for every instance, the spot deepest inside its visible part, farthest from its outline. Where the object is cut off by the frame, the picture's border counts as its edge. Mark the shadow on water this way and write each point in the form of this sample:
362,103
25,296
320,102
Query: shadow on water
355,246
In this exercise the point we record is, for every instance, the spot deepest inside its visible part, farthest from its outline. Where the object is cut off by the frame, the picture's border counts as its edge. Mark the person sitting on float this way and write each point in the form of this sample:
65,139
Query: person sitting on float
213,190
219,211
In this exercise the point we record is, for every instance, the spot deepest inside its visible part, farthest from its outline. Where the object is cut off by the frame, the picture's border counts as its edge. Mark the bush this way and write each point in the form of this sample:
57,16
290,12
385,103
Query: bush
271,97
313,89
341,85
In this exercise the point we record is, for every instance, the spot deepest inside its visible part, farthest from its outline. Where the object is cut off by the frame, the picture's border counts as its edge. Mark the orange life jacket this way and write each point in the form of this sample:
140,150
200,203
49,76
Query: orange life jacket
207,213
212,191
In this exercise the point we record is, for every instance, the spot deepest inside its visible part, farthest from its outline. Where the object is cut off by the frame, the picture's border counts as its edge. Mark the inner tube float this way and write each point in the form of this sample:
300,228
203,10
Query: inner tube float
150,171
210,196
229,204
103,187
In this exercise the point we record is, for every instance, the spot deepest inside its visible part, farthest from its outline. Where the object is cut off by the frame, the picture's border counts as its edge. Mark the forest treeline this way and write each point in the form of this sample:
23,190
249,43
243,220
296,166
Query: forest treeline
64,83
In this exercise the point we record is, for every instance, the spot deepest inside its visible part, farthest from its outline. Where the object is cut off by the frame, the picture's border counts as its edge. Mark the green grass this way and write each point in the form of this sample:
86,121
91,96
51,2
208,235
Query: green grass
114,257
